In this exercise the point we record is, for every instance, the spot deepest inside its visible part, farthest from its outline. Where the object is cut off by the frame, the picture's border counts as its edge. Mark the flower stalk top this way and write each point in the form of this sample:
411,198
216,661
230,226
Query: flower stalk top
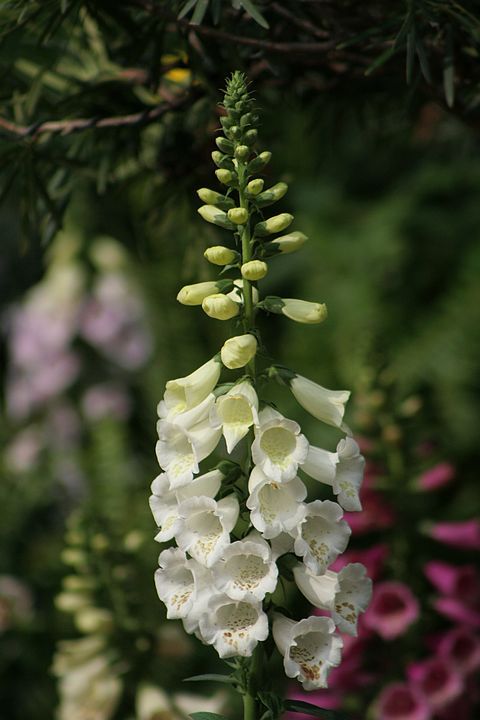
242,522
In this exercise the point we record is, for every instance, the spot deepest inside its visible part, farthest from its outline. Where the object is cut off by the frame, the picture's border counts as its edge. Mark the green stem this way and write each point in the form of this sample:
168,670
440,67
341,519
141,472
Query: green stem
249,317
254,682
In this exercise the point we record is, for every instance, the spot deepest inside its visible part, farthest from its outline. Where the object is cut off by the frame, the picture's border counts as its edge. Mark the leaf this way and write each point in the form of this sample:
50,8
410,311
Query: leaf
186,8
255,13
380,60
423,59
313,710
207,716
199,13
210,677
410,55
449,70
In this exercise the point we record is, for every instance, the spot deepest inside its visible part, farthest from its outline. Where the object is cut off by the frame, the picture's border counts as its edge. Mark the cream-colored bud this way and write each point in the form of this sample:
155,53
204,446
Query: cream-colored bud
196,293
238,351
71,601
224,176
277,223
212,214
220,307
238,216
254,270
255,187
210,197
219,255
289,243
93,620
304,311
242,152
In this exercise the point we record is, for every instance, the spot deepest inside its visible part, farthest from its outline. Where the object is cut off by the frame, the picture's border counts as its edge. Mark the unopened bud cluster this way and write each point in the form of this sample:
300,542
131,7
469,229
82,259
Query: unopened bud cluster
242,521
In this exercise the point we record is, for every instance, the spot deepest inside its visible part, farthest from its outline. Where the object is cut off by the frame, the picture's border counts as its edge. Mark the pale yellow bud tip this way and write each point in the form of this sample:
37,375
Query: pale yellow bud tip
219,255
254,270
195,294
238,351
220,307
239,216
304,311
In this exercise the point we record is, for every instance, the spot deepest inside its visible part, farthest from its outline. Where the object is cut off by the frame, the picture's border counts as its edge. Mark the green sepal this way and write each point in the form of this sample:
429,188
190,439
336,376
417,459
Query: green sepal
307,708
259,162
271,303
222,161
282,374
210,677
207,716
270,196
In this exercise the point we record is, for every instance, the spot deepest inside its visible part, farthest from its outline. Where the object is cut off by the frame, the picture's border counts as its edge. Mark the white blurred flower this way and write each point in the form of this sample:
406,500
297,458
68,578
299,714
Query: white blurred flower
233,627
326,405
235,413
343,470
279,447
309,648
246,570
206,527
275,507
322,535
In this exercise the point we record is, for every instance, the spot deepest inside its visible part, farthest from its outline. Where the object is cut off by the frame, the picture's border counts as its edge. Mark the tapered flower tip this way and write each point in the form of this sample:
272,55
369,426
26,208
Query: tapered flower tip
324,404
220,307
195,294
237,351
303,311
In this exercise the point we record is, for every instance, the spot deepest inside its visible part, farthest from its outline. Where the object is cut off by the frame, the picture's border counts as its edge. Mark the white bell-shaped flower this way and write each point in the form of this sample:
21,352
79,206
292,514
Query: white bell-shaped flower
320,590
275,507
186,392
179,451
322,535
235,413
343,470
309,648
164,502
175,582
206,528
190,417
279,447
326,405
246,570
233,627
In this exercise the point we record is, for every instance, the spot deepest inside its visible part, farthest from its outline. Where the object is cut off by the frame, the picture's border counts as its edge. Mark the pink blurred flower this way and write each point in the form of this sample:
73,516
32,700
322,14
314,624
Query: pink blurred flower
106,400
401,702
321,698
392,610
461,582
462,647
376,514
23,452
436,477
464,535
437,679
458,610
373,558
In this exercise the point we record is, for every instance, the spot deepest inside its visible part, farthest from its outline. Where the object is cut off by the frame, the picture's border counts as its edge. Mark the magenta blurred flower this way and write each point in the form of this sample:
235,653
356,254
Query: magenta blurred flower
458,610
373,558
462,581
464,535
436,477
321,698
392,610
462,647
400,701
106,400
437,679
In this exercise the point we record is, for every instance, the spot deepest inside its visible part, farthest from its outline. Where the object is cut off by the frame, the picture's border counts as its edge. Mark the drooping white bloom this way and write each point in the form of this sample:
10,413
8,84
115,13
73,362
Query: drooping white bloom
235,412
279,447
343,470
186,392
345,594
187,418
179,451
322,535
304,311
164,502
206,528
309,648
233,627
246,570
237,351
175,581
326,405
274,507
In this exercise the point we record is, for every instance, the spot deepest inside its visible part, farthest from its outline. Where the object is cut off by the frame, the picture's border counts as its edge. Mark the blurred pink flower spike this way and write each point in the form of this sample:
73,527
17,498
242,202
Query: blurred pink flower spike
392,610
458,611
462,647
436,477
462,582
464,535
322,698
401,702
437,679
373,558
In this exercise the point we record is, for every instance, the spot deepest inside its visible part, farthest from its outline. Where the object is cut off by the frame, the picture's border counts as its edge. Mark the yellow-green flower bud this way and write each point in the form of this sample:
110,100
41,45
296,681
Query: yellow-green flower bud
72,556
254,270
219,255
70,602
94,620
272,194
220,307
76,582
259,162
238,351
255,187
222,161
277,223
211,197
224,145
239,216
212,214
303,311
250,136
242,152
224,176
235,132
289,243
195,294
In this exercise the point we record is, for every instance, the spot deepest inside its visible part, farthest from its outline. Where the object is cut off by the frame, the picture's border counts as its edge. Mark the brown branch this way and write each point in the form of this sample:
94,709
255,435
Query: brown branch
301,23
66,127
